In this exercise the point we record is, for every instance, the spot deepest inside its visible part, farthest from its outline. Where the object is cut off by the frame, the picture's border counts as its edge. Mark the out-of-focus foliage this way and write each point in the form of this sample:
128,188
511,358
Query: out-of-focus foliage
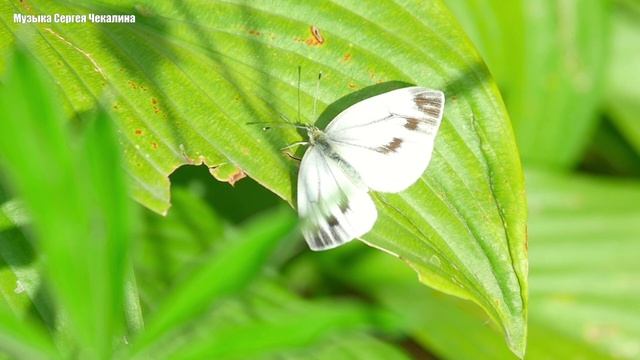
583,242
264,320
623,87
549,57
78,204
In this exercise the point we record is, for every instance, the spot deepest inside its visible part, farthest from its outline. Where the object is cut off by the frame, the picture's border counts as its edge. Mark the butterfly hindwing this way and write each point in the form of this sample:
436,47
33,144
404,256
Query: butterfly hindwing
333,203
388,139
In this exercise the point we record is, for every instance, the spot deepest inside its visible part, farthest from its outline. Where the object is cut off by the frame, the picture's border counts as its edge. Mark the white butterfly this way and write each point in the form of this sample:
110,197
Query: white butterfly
382,143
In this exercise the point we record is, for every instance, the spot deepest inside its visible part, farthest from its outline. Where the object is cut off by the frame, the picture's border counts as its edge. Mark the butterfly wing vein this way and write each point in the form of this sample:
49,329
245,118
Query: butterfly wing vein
335,207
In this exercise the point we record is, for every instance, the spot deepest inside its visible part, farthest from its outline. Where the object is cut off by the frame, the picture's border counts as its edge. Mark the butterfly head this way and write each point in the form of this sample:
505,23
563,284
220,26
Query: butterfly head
314,134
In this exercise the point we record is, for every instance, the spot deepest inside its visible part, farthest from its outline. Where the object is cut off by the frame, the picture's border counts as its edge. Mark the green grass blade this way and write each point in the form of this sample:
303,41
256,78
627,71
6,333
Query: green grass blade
77,200
132,306
186,86
110,235
23,340
227,271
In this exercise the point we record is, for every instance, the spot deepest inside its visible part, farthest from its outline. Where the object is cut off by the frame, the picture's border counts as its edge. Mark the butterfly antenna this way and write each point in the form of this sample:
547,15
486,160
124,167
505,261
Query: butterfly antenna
315,98
273,124
299,71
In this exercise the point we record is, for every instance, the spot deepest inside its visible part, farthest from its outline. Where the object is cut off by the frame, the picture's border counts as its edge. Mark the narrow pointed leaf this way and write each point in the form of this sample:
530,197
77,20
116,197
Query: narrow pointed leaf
221,274
75,192
22,339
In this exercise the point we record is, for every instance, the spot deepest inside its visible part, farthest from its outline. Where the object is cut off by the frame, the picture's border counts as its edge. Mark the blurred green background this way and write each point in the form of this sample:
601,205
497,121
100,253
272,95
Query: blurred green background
226,276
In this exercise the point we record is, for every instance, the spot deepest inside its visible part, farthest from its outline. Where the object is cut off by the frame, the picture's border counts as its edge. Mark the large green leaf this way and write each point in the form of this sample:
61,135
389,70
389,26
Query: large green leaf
78,204
549,57
623,87
584,246
186,77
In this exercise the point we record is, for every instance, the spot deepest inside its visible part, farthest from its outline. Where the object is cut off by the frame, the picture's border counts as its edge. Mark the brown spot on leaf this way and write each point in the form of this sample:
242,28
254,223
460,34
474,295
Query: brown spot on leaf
154,101
228,173
138,132
154,145
352,85
316,38
346,57
133,85
316,34
236,177
254,32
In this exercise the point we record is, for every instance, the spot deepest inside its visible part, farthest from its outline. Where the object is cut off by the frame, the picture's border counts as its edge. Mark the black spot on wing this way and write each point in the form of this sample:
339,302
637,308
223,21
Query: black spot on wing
322,238
343,205
392,146
411,123
334,228
429,104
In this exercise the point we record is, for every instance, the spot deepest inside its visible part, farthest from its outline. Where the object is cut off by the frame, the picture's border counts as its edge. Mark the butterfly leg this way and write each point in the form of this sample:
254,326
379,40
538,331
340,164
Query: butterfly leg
297,143
293,157
303,143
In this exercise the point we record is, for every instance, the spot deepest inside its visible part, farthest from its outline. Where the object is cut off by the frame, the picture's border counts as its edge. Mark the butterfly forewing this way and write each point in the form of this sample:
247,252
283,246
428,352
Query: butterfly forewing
388,139
333,203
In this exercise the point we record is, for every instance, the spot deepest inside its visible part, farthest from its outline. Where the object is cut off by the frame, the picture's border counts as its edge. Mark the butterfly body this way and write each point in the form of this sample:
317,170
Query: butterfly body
383,143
